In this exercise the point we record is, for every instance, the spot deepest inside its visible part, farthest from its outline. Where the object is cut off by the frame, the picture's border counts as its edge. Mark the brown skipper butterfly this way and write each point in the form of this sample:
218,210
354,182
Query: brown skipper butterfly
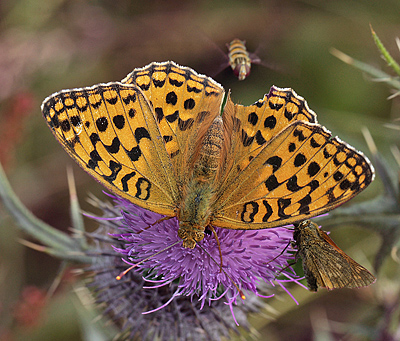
324,264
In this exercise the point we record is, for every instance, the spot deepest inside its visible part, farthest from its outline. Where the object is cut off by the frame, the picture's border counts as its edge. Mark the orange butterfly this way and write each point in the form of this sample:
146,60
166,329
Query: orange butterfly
157,139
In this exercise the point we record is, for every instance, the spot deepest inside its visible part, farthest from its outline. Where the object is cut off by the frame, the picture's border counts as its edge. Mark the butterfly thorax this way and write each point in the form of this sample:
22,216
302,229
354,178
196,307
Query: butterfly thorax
305,234
195,209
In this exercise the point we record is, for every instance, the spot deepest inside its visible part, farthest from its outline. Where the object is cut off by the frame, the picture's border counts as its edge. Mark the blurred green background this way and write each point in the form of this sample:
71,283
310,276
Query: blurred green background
49,45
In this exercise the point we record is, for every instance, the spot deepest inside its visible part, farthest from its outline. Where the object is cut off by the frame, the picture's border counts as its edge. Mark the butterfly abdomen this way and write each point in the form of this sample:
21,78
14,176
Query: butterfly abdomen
210,152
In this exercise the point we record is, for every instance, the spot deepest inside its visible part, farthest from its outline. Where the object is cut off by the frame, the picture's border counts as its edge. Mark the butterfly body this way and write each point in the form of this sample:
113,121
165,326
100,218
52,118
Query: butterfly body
324,263
194,211
157,139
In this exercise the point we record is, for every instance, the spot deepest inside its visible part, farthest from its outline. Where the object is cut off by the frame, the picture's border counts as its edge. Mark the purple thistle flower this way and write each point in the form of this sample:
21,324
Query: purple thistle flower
177,292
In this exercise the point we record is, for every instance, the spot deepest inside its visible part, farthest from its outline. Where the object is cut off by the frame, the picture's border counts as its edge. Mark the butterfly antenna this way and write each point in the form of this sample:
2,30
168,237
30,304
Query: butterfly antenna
289,264
218,243
123,273
243,297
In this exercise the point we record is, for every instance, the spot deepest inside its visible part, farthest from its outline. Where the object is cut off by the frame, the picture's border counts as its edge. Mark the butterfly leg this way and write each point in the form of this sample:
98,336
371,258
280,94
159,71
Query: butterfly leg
289,264
156,222
284,249
219,245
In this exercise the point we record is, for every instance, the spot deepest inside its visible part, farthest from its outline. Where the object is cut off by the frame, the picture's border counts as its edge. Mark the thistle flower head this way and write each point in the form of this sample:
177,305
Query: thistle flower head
180,283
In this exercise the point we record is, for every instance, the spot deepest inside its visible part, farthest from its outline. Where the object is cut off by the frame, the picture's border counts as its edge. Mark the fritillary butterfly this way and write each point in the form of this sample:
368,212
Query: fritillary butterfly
157,139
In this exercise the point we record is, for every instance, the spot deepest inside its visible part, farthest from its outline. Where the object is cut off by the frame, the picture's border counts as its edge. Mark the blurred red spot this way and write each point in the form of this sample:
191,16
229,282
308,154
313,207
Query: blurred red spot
15,112
28,309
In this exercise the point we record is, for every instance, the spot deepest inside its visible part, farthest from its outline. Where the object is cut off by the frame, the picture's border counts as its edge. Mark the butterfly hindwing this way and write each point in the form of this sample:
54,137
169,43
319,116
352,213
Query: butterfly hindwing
249,128
300,172
111,131
264,119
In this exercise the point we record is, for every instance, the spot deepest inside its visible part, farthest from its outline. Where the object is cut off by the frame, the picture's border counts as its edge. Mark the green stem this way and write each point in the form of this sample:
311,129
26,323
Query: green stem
374,72
36,228
391,62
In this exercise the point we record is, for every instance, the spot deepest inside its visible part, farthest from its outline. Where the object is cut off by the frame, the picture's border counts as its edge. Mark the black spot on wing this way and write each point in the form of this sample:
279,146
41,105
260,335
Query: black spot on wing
171,98
54,121
119,121
135,153
125,179
275,106
129,98
345,184
304,202
259,138
268,209
113,148
292,185
173,117
76,121
253,118
141,133
338,176
115,168
189,104
275,162
299,134
132,112
159,114
271,183
283,203
94,159
314,143
167,138
313,168
158,83
299,160
112,100
65,126
292,147
102,124
194,89
270,122
94,138
174,82
96,105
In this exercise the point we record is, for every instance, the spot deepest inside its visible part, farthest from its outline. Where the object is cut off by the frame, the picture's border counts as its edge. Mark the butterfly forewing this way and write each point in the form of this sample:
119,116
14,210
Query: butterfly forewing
335,270
109,129
352,275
